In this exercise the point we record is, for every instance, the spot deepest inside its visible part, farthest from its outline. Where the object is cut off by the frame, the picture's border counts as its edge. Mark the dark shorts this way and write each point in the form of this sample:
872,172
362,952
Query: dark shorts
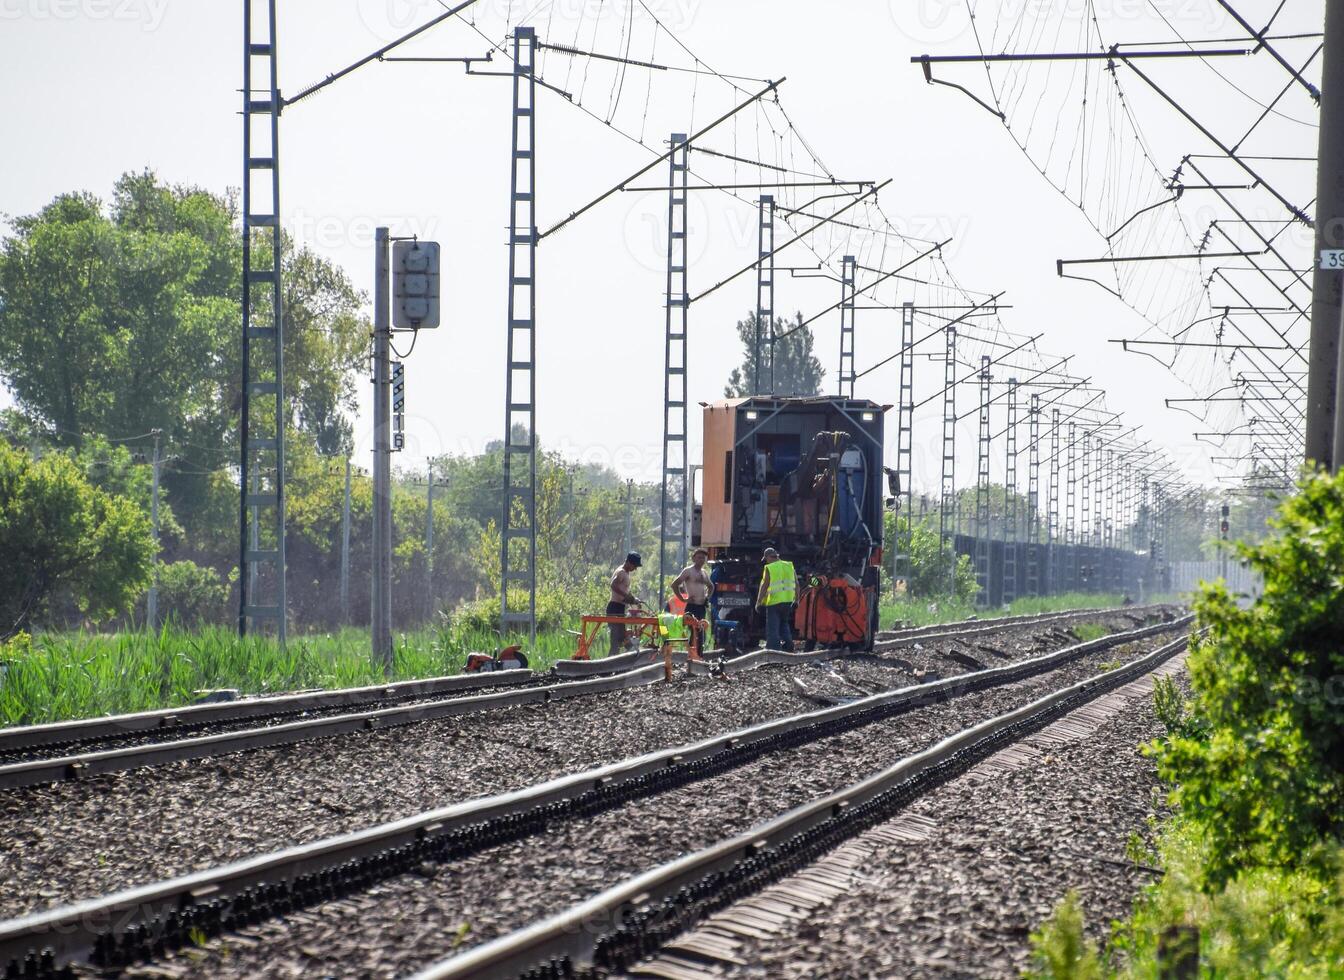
697,609
617,629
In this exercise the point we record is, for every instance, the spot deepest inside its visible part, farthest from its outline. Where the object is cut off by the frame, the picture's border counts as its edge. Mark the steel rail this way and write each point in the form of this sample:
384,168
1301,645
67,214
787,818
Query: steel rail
175,723
764,658
89,764
111,726
621,926
886,640
130,925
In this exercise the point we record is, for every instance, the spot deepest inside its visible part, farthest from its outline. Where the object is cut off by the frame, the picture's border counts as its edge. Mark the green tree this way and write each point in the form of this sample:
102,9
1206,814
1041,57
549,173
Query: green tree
119,319
797,370
66,542
930,576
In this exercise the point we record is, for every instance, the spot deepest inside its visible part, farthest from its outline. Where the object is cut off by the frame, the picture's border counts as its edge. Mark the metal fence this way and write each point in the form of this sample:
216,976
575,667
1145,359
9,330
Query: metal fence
1187,575
1053,569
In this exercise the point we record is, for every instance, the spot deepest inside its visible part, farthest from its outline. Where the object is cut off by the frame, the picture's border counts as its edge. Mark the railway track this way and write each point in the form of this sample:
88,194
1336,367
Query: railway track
25,743
71,840
627,924
152,921
32,755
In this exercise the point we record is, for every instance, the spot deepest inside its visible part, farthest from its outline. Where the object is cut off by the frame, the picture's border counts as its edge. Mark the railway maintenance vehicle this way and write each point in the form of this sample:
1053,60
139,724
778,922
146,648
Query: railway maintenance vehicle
803,475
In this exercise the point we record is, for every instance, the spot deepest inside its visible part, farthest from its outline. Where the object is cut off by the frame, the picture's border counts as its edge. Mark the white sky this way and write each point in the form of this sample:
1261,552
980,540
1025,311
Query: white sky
94,88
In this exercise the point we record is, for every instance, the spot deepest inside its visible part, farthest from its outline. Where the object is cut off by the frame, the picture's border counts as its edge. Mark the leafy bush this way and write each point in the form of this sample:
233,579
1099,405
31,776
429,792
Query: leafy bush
1267,922
928,561
1253,858
557,609
1264,774
192,595
64,540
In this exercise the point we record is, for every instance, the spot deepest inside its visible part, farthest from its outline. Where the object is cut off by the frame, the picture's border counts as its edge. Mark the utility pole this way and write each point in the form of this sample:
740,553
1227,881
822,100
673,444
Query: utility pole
429,540
690,506
1223,528
152,600
345,549
629,516
1324,440
380,627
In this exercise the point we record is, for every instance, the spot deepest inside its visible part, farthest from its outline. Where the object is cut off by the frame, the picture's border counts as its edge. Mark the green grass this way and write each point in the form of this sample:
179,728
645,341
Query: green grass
1089,631
58,676
920,612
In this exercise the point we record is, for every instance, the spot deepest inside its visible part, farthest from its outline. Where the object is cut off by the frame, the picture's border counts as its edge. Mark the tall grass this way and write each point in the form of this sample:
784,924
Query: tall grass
930,612
57,676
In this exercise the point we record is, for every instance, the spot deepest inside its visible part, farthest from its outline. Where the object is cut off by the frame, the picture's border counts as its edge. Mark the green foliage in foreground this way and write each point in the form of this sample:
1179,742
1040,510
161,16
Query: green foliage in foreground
1061,950
59,676
1254,857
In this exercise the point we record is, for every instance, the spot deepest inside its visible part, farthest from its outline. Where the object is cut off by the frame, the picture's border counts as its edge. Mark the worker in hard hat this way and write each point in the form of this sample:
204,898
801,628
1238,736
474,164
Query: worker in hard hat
621,597
779,590
694,587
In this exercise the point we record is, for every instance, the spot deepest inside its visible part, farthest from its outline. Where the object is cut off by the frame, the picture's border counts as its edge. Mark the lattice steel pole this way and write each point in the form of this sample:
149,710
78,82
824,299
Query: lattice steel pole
1071,508
983,533
518,524
1009,523
675,419
1052,526
765,288
1033,495
905,422
947,506
845,375
262,416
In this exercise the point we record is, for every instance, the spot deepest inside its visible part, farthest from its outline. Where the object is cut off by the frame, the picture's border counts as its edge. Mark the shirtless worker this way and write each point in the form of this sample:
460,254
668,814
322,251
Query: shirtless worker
694,587
622,596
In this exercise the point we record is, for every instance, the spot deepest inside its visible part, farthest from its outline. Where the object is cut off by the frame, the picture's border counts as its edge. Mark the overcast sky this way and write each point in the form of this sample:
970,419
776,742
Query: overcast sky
98,87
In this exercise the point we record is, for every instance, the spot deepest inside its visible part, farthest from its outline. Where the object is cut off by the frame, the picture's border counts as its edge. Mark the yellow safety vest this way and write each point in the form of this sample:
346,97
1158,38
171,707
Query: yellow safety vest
783,585
672,626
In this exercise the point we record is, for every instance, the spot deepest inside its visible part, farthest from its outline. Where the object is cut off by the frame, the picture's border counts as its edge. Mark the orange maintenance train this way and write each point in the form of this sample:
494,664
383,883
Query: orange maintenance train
802,475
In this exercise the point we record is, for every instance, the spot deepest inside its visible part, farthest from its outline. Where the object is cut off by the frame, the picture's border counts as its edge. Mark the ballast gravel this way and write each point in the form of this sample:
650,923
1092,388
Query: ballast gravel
404,923
72,841
999,857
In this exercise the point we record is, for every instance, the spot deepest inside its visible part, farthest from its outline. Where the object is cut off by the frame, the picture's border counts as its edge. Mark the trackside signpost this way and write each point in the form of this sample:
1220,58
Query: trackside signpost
405,298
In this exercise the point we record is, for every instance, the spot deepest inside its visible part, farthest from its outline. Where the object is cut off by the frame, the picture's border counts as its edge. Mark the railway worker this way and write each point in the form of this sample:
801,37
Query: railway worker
621,596
779,589
694,587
